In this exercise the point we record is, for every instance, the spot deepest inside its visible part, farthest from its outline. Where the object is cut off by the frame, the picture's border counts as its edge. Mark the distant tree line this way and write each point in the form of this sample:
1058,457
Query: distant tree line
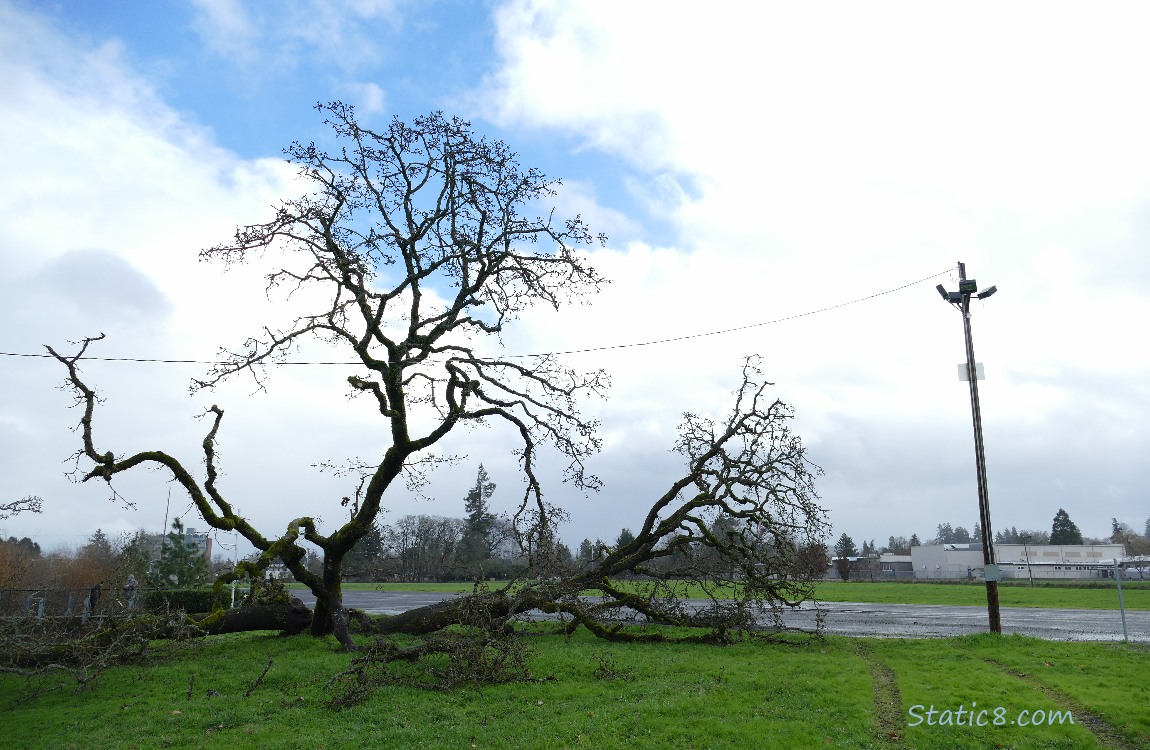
1063,531
167,562
484,545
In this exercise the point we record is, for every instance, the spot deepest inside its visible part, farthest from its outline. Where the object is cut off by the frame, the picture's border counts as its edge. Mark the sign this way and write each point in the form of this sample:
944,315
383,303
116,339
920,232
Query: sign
964,376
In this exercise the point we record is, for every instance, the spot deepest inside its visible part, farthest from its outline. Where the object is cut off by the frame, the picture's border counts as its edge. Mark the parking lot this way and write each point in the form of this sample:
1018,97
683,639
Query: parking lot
875,620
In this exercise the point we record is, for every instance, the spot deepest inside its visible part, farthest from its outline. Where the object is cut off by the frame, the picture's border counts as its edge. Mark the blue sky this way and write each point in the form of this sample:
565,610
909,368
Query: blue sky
749,163
250,72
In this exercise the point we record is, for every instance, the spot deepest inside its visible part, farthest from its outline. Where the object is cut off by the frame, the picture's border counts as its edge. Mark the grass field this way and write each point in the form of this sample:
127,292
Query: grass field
833,692
1136,595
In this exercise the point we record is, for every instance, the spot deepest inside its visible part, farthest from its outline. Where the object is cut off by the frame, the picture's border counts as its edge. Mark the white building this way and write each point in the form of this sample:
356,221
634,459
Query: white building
1058,560
959,561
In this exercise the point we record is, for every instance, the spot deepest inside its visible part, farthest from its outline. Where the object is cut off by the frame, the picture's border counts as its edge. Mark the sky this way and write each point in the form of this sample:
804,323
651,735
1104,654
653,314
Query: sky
750,162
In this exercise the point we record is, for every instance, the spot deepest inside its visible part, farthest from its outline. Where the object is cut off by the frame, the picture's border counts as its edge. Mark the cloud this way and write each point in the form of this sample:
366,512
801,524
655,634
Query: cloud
368,98
100,283
801,161
227,28
296,32
810,156
111,196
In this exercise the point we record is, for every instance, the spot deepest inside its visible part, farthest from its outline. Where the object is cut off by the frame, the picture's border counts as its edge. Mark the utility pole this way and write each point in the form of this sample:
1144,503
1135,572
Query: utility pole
961,301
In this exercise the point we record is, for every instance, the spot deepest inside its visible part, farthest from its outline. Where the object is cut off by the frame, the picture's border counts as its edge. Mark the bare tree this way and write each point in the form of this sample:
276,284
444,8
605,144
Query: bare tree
412,214
396,220
743,524
29,504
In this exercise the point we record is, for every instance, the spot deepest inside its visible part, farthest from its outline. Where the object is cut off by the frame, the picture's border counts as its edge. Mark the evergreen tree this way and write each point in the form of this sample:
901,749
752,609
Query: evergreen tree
25,543
1009,536
476,545
914,542
98,547
898,545
625,537
1063,530
976,535
181,564
586,552
563,556
960,536
945,534
844,549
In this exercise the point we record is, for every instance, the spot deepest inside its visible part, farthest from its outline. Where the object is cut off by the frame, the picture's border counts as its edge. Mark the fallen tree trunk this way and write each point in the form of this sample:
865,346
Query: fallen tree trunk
491,606
289,619
35,645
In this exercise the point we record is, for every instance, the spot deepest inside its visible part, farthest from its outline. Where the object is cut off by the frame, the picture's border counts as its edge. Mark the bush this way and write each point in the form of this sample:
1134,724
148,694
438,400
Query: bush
193,601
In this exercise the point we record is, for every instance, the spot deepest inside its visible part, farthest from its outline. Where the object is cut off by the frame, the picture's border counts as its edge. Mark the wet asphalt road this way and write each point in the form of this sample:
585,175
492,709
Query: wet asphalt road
875,620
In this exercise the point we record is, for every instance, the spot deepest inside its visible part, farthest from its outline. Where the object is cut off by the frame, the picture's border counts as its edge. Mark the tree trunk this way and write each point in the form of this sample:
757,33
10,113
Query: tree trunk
488,606
330,617
289,619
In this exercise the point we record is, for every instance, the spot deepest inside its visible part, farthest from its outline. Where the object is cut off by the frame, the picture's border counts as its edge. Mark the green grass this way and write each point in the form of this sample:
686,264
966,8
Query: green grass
1058,597
1136,595
801,695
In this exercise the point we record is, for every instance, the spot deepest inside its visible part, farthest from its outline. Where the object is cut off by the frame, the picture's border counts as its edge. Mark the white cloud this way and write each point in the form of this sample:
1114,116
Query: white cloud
257,35
834,151
226,27
802,157
368,98
111,197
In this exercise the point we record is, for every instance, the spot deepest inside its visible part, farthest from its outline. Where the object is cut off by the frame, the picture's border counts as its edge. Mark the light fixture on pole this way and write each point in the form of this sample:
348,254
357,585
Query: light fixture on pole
961,301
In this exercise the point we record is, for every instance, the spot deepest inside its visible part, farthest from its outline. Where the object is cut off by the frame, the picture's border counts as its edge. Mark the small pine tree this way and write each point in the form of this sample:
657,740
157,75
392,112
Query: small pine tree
625,537
181,564
844,549
1063,530
586,552
476,546
98,547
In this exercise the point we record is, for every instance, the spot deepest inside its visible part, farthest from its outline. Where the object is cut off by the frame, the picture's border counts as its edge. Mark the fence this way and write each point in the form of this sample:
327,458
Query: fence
82,603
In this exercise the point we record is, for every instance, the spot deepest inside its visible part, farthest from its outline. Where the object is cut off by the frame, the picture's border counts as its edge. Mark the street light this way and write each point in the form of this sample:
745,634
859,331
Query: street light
961,301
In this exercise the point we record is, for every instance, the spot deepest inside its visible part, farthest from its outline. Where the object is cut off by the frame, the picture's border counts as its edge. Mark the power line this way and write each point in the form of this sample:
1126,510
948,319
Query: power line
743,328
541,354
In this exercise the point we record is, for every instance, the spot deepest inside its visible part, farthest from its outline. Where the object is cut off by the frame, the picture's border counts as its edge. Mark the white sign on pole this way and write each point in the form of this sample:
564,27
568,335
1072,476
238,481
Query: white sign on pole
978,372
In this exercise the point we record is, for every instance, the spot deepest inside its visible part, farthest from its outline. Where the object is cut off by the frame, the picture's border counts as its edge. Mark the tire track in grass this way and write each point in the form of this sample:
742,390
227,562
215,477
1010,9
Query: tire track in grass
1106,734
887,700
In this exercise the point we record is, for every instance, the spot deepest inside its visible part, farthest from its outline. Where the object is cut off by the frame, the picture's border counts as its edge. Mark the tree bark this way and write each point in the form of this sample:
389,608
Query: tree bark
289,619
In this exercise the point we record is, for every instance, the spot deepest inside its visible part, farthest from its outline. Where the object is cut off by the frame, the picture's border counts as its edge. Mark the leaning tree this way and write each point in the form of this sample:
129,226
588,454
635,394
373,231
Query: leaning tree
422,240
740,532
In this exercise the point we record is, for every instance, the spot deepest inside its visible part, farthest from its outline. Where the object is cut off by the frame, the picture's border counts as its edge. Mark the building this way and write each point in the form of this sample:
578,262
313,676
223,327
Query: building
934,562
1055,561
1027,561
201,541
896,567
884,567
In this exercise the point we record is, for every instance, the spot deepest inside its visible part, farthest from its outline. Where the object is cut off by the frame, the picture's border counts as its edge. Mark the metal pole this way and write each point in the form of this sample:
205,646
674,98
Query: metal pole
992,607
1121,604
